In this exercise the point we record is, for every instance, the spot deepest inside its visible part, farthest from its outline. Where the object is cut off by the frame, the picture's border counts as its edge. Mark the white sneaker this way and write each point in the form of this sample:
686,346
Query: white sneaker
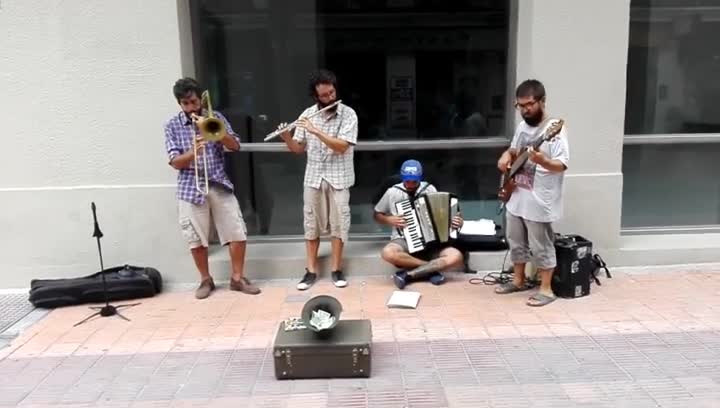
307,280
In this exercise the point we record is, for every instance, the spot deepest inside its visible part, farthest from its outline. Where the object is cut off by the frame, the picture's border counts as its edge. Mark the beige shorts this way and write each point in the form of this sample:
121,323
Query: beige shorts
326,211
222,205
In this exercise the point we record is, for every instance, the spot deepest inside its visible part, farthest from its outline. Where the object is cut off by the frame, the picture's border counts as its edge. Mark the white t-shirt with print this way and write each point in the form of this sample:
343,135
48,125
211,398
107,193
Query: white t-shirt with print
538,194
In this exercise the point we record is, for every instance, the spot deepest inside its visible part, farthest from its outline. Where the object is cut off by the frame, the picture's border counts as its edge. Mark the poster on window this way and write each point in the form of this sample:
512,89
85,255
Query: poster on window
402,95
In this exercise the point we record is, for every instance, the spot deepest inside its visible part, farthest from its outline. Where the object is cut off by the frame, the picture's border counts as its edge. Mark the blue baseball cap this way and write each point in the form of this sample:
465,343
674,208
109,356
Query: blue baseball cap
411,170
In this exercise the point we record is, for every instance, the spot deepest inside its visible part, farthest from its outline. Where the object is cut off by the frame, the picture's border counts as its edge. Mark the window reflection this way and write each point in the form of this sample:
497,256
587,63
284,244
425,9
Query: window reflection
673,61
411,69
269,185
670,185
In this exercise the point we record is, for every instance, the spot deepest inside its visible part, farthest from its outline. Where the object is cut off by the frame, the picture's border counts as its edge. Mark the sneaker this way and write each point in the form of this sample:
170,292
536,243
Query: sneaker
339,279
437,278
307,280
243,285
400,279
206,286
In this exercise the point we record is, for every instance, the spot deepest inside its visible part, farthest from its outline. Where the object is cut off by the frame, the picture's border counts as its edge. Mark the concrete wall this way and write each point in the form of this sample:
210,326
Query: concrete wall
86,88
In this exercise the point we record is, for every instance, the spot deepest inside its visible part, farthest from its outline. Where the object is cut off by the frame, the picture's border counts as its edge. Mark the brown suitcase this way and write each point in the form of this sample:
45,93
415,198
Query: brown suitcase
345,353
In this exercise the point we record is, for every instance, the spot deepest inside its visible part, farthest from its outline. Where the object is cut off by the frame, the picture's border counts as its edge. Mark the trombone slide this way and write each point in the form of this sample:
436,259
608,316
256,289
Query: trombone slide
294,124
199,188
211,129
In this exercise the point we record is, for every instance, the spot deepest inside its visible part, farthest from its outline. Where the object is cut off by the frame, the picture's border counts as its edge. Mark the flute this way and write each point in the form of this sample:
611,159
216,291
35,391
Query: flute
294,124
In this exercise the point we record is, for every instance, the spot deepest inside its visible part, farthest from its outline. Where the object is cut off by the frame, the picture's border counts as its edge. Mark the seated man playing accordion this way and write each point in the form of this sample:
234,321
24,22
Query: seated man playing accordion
428,262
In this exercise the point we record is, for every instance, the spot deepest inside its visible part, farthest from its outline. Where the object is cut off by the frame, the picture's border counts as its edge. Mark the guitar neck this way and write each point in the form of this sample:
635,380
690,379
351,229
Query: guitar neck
536,144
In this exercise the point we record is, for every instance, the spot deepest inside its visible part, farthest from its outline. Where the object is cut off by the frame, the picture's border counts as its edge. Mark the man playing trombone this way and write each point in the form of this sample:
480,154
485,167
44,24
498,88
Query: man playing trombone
203,187
327,132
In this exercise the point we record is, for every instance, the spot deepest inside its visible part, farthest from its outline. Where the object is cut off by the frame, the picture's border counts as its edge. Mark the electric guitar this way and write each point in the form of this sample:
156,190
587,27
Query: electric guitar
507,179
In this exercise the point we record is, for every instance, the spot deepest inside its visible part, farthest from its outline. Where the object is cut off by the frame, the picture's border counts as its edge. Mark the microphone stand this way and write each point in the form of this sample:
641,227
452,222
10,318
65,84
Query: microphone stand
108,309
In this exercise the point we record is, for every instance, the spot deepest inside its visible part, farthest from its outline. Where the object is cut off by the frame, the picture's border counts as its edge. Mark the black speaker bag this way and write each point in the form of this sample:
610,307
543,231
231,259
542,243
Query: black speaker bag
574,270
123,283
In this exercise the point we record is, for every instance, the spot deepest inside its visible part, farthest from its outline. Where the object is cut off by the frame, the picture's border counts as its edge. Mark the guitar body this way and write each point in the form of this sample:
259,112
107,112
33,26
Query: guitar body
507,179
507,186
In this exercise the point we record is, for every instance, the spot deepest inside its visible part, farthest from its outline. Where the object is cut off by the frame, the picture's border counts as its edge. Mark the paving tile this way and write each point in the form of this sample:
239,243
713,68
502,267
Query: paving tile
463,347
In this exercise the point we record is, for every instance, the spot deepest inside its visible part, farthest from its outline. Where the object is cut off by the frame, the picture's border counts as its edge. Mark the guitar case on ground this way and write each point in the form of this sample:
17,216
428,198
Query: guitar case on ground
123,283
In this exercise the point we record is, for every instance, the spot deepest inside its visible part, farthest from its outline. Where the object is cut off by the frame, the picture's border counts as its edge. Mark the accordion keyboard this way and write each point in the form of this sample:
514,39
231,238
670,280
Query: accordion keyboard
411,232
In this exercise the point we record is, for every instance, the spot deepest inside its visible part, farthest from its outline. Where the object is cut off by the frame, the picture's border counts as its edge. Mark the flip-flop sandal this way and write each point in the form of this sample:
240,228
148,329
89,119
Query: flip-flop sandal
509,287
539,299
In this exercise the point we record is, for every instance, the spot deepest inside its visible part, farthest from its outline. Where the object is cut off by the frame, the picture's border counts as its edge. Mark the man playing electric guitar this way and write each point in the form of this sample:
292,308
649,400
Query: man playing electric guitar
535,191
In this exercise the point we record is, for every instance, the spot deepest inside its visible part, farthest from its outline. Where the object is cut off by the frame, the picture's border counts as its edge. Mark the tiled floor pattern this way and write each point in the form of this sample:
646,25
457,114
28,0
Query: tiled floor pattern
13,307
637,341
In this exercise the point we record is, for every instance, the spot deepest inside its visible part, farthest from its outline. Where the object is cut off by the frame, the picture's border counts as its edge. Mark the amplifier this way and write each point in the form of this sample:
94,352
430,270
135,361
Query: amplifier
572,275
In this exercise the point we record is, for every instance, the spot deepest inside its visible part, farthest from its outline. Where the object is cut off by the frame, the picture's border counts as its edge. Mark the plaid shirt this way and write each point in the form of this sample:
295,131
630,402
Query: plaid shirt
323,162
179,134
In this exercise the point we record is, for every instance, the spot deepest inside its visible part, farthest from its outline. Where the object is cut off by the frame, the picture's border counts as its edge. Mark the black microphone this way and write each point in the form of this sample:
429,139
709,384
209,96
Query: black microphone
97,233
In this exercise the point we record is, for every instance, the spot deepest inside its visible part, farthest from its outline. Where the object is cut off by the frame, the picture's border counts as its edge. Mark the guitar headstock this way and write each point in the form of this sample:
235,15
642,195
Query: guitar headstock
553,129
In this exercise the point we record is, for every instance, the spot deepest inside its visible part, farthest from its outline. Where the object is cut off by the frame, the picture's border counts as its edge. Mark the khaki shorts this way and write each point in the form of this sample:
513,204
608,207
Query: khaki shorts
222,205
326,211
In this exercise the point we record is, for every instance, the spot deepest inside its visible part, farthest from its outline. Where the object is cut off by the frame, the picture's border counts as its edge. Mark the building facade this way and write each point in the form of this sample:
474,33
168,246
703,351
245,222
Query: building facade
87,88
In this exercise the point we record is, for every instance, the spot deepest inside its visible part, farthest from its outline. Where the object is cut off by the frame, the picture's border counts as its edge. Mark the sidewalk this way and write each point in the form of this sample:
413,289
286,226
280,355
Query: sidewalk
641,340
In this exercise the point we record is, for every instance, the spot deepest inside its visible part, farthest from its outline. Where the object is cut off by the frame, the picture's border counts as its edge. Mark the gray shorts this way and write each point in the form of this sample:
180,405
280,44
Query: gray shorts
531,241
225,210
326,211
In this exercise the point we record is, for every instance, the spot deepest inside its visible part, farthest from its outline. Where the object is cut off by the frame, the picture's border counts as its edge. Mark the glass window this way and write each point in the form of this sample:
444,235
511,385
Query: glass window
270,184
412,69
670,185
673,61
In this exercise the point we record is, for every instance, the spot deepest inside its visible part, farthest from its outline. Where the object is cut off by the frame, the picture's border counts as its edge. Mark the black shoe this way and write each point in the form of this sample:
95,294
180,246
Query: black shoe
437,278
339,279
400,279
307,280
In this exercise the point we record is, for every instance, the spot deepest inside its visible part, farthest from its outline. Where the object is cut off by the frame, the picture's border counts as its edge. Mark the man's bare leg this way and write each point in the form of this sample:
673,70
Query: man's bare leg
311,248
200,256
237,259
546,281
395,255
337,252
447,258
238,281
519,275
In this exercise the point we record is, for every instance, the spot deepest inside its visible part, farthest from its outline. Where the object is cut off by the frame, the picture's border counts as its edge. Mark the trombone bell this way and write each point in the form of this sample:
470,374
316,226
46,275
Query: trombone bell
211,129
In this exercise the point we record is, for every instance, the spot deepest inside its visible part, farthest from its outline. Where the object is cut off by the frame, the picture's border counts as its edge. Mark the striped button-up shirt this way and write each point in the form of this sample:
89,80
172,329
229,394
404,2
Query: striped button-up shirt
179,134
322,162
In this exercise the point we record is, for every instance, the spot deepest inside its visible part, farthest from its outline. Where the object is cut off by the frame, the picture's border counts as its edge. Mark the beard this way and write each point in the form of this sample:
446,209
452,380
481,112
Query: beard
189,114
322,105
534,120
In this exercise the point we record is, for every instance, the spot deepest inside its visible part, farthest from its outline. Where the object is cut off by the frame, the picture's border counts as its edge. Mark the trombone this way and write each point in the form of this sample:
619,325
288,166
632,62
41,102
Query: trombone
211,129
294,124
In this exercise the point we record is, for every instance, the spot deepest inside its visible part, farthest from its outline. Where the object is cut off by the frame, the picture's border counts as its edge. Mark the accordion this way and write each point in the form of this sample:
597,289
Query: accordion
428,220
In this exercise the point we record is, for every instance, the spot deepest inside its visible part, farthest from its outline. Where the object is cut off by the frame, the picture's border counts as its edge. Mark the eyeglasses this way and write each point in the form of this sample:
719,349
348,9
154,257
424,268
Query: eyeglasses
526,105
